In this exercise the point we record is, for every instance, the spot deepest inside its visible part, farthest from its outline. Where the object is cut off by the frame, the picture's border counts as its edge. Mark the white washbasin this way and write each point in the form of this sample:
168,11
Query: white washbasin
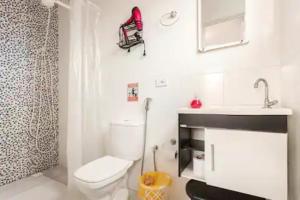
237,110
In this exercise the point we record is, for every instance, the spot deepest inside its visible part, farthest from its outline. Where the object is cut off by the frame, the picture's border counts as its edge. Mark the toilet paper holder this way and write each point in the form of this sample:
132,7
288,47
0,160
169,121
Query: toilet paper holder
174,142
171,142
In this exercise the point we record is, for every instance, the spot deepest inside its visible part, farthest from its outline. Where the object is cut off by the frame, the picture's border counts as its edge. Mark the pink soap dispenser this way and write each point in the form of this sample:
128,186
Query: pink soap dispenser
196,103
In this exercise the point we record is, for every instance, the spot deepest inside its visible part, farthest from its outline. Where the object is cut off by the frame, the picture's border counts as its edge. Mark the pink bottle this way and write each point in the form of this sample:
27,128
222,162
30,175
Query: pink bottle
196,103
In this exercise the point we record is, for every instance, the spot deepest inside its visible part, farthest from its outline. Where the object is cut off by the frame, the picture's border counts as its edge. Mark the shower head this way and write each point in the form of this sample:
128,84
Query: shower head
48,3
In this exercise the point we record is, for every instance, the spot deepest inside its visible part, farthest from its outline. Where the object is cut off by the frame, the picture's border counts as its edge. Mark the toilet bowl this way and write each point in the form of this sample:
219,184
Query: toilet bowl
106,177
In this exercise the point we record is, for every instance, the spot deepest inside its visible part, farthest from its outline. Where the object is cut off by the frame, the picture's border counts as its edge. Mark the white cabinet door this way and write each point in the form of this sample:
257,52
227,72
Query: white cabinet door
246,161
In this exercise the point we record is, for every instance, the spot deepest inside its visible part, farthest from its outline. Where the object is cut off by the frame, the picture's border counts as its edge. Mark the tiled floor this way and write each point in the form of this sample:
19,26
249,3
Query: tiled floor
49,185
34,188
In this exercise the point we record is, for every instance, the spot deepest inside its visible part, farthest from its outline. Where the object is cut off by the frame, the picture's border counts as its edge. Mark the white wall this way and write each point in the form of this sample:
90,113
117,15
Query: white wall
223,77
64,31
291,87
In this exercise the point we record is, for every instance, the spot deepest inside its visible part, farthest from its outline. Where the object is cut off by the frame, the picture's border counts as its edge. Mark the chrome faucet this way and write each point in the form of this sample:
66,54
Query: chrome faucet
268,103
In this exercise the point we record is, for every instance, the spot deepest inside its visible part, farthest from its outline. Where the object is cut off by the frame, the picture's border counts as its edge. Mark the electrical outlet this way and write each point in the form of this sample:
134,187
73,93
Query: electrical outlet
161,83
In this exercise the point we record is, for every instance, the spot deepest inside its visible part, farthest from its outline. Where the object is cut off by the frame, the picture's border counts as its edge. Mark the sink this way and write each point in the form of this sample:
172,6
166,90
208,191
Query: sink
237,110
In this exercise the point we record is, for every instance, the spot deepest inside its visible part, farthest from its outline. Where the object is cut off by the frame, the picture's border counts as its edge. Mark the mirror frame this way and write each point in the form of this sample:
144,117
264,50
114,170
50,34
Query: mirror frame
203,49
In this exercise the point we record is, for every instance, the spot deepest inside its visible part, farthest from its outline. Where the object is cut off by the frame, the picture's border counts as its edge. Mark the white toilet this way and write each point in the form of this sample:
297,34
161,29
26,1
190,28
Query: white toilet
106,177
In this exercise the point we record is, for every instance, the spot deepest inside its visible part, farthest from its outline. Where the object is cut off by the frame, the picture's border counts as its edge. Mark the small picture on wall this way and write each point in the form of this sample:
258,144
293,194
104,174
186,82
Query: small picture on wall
133,92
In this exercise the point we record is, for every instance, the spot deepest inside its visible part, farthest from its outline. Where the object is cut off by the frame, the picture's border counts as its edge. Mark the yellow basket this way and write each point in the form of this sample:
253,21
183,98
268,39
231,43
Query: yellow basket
158,190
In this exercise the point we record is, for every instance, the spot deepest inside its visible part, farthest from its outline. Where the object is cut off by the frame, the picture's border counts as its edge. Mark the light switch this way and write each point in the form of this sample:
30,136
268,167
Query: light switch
161,83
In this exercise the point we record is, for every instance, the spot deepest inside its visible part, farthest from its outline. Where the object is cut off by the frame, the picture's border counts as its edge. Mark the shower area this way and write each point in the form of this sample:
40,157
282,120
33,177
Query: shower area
42,76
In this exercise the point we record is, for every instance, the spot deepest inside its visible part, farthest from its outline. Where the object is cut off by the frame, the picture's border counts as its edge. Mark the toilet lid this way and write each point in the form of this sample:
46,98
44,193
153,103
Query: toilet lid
102,169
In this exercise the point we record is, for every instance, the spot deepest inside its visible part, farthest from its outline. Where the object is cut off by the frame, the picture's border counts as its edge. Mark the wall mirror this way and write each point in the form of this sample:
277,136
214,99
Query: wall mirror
221,24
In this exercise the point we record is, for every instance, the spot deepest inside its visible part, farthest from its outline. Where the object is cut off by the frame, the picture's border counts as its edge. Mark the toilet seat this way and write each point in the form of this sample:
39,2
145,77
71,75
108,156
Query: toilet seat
102,171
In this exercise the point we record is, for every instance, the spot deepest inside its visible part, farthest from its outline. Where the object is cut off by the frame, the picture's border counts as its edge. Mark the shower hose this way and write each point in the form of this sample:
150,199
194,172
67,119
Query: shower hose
41,63
147,106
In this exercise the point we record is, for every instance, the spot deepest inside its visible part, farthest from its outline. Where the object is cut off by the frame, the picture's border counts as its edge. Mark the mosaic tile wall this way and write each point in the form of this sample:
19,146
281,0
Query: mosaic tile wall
28,89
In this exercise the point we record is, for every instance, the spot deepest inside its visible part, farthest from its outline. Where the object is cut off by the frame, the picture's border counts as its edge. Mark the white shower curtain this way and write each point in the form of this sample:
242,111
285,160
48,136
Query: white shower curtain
84,86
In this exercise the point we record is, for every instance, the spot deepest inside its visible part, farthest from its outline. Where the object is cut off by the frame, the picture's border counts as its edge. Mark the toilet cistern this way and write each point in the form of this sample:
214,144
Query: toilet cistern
267,103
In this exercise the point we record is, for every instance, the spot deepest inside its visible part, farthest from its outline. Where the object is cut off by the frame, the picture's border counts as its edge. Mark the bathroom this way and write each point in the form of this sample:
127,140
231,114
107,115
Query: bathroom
91,76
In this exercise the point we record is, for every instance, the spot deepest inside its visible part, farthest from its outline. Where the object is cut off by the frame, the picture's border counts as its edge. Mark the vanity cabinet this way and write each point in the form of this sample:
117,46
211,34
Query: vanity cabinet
244,153
251,162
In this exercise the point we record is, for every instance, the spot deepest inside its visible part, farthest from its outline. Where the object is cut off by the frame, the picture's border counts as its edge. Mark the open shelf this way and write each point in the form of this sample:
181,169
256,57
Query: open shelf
189,173
190,140
192,144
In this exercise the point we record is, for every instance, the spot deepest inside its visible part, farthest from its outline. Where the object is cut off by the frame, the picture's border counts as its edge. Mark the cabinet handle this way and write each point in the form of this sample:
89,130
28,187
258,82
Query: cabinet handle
212,146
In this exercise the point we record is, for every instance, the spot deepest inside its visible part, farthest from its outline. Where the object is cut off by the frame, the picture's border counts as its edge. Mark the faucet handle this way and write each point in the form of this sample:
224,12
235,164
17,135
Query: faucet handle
272,103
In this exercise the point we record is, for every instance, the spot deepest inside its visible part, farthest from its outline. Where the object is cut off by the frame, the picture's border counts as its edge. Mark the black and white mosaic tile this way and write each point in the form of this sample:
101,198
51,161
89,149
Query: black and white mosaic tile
23,25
